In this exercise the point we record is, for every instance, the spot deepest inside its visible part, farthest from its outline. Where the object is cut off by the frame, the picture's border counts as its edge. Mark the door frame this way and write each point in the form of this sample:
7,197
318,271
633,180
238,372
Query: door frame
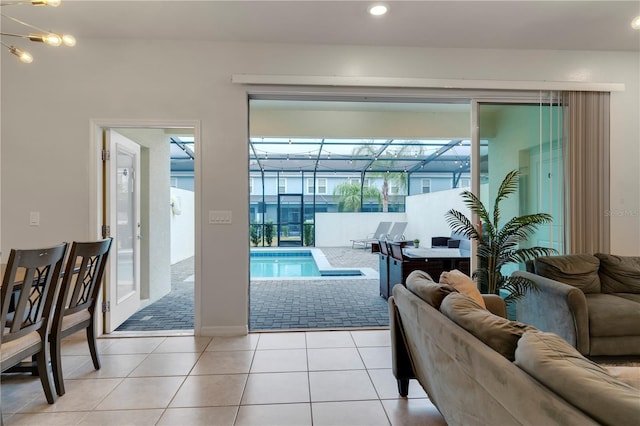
96,189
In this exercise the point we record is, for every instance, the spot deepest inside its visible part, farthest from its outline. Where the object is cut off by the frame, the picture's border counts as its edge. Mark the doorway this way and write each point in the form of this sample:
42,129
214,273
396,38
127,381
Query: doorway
290,209
166,202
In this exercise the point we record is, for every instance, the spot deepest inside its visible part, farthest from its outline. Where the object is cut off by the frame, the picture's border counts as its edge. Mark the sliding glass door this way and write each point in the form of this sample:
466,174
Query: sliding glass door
528,138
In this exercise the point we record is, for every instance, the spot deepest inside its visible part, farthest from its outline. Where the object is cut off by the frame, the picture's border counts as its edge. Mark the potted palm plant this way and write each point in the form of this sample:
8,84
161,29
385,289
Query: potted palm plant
499,243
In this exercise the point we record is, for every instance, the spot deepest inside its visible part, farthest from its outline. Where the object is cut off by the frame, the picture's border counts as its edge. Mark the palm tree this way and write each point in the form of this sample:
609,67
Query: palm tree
397,178
499,246
349,196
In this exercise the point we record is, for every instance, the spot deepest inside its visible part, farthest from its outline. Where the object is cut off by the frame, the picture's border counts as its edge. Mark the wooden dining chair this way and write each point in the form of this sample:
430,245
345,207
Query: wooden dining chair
76,305
29,287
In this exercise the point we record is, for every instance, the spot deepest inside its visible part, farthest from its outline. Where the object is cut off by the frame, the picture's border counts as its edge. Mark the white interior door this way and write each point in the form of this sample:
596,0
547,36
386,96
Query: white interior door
123,218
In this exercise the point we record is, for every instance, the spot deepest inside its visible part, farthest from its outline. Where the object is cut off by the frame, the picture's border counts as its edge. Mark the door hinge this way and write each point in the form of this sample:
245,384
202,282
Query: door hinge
106,231
106,155
106,306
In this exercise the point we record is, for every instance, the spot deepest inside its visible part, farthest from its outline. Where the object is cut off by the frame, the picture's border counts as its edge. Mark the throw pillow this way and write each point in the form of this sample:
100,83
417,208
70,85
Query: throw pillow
619,274
577,270
463,284
422,285
498,333
583,383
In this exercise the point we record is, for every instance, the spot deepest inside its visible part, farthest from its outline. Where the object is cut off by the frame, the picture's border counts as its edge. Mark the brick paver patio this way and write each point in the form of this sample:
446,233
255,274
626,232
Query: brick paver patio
282,304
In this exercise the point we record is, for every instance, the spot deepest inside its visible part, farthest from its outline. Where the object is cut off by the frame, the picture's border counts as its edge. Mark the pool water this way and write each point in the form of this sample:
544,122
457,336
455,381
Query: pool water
284,267
278,265
294,264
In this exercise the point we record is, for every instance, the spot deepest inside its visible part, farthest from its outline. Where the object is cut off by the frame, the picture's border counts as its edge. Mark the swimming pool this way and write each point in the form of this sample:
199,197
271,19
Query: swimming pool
301,263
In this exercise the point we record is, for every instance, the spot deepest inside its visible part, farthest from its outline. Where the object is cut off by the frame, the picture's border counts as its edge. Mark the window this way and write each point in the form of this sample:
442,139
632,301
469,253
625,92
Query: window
426,186
282,185
174,182
321,187
464,183
250,185
395,189
354,180
367,183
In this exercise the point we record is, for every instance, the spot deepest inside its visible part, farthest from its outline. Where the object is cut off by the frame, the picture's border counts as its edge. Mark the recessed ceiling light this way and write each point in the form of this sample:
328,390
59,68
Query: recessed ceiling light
635,23
378,9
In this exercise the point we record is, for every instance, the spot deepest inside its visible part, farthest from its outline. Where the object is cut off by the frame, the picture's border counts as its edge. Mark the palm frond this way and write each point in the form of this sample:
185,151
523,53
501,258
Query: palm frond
522,227
460,224
517,287
529,253
476,206
508,186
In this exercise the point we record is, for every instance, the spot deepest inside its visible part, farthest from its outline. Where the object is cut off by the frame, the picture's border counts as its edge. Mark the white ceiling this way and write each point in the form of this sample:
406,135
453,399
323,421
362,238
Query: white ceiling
573,25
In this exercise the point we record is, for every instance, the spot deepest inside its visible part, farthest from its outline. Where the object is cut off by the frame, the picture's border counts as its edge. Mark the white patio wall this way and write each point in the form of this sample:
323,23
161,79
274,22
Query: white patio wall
424,214
182,225
338,229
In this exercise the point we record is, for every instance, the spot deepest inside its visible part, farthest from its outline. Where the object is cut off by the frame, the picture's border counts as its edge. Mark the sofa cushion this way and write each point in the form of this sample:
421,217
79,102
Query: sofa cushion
610,315
578,270
498,333
463,284
583,383
629,296
619,274
422,285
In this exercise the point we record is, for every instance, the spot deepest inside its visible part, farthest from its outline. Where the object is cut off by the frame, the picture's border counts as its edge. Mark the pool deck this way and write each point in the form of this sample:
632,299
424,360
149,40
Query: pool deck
283,304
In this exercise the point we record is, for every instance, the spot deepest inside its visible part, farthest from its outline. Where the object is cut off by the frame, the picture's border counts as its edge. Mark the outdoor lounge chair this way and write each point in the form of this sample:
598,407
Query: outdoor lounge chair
380,234
397,231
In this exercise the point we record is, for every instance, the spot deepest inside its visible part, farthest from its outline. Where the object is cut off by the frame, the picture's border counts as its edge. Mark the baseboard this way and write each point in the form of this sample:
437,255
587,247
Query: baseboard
231,330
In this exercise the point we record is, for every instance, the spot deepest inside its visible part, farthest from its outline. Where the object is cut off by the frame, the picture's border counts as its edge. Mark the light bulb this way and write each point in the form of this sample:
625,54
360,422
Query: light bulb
52,39
68,40
52,3
635,23
21,54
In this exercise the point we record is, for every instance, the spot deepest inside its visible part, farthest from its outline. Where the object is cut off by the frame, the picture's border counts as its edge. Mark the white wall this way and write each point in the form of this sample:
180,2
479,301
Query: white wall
182,225
45,130
425,214
338,229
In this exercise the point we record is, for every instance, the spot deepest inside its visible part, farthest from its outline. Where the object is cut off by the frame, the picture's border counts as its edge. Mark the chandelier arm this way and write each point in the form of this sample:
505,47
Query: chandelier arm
24,23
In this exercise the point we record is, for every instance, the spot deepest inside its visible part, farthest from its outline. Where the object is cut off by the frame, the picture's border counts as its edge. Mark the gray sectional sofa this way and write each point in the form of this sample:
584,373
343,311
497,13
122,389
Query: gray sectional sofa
478,368
592,301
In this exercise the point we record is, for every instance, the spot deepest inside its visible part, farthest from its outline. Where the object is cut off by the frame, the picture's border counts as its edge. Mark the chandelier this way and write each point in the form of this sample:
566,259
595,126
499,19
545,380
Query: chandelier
41,36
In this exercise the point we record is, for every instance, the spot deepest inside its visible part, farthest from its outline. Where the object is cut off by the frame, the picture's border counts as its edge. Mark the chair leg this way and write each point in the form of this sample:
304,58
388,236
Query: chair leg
56,366
45,377
403,387
93,346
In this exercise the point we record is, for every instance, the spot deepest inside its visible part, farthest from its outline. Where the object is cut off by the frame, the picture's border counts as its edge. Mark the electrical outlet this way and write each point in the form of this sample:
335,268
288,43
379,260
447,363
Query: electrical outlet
220,217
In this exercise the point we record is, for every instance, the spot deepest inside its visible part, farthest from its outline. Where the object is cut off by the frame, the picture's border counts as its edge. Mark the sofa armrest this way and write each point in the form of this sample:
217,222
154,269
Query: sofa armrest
401,361
557,308
495,304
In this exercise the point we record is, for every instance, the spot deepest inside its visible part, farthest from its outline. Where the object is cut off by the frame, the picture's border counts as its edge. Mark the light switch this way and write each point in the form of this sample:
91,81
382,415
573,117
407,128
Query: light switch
220,217
34,218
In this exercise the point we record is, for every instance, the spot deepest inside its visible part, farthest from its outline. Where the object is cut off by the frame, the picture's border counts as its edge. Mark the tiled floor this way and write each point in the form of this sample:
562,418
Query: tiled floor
296,378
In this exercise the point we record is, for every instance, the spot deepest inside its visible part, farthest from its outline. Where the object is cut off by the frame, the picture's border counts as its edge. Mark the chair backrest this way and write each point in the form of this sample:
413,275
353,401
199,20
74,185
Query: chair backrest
82,277
384,248
397,231
29,287
396,251
382,230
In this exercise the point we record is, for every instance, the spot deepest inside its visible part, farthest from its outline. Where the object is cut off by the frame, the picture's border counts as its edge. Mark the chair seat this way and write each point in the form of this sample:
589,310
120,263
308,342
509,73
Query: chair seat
75,319
16,346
